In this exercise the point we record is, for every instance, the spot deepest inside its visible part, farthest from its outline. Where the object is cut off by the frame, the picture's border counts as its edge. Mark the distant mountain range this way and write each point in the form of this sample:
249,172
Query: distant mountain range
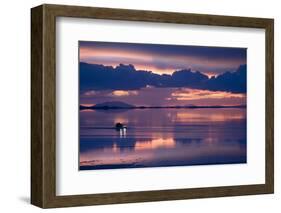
121,105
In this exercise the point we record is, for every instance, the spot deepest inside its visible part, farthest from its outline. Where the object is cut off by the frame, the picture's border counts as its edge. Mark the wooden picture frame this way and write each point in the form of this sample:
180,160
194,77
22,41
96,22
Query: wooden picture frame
43,105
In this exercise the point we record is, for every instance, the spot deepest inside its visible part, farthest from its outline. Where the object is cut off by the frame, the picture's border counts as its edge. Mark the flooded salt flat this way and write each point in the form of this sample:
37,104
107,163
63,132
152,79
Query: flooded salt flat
162,137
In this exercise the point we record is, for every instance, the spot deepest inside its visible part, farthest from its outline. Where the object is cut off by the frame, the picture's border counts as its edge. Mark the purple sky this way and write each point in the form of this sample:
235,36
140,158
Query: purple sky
163,59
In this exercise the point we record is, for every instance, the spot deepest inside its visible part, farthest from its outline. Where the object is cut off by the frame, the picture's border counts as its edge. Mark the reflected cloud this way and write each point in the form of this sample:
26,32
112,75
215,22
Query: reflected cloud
120,119
209,115
155,144
164,152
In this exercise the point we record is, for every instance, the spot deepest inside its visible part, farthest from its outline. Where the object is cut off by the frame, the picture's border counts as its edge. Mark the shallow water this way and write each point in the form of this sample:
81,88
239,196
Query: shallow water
162,137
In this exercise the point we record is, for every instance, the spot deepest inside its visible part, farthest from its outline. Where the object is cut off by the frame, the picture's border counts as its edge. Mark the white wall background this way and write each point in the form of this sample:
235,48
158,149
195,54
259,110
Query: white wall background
15,105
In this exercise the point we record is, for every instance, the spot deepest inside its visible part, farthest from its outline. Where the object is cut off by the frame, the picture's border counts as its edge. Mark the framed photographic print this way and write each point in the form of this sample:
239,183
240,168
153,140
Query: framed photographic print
137,106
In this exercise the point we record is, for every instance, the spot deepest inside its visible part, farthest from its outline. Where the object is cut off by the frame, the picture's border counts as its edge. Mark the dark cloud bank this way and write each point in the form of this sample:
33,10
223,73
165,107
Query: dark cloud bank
126,77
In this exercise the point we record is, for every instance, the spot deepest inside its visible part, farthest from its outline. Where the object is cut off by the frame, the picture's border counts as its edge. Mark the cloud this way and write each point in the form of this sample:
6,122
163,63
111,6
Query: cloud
148,51
229,81
197,94
90,93
163,59
94,77
123,93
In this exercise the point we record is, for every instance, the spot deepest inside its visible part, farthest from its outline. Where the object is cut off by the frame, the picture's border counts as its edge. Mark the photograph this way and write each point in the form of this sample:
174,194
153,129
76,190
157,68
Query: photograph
160,105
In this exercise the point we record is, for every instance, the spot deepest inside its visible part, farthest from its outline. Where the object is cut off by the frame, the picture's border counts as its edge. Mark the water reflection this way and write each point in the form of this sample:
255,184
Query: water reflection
155,144
162,137
122,133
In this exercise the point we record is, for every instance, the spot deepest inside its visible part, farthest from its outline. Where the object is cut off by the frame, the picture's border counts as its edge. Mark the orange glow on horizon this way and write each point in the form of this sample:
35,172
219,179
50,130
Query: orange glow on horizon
196,94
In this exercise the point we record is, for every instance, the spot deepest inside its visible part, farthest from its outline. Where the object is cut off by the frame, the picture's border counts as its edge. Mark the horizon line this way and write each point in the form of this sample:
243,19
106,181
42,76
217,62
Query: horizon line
171,106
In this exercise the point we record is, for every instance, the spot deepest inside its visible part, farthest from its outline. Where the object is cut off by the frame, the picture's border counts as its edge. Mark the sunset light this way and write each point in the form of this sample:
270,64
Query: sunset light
160,105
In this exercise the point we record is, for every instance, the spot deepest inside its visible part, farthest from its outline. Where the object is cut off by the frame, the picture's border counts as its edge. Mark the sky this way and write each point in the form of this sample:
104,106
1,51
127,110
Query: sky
194,75
163,58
